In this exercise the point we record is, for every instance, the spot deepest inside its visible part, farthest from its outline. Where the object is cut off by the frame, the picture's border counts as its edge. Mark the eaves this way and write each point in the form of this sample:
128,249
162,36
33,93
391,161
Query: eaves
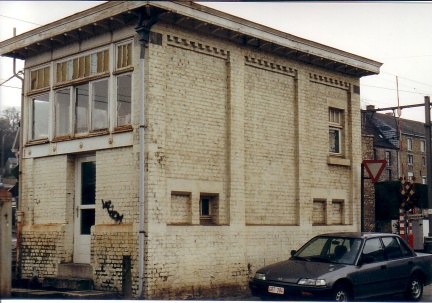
112,15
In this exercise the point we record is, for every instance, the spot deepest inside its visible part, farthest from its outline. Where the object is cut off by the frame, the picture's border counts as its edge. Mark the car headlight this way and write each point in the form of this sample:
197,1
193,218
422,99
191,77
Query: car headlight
312,282
260,276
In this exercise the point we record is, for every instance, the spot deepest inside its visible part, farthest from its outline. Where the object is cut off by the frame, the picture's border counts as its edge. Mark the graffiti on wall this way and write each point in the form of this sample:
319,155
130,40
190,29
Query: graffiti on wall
111,212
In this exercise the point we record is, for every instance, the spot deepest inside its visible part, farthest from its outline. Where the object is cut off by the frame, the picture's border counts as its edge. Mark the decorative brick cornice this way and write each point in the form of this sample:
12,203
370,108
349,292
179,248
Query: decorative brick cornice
329,81
197,47
270,66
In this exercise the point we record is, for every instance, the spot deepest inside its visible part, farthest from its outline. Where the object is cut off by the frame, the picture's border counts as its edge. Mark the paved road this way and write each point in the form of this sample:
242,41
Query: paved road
427,297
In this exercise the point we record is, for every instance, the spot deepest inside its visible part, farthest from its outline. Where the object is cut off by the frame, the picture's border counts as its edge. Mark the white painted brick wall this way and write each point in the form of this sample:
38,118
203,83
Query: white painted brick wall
249,126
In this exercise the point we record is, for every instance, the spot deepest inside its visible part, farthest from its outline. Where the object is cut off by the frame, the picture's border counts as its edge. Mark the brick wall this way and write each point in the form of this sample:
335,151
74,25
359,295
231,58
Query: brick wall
369,188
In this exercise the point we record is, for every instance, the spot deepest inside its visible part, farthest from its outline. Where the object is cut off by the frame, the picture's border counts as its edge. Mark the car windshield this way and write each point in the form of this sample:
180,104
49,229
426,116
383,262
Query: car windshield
330,249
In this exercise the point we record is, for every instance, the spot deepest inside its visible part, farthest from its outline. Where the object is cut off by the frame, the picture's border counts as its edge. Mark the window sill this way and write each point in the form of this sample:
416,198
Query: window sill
37,142
337,160
123,128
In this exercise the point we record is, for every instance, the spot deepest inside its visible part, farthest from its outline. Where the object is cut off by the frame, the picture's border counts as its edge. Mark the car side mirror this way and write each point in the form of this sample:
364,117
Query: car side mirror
365,260
293,252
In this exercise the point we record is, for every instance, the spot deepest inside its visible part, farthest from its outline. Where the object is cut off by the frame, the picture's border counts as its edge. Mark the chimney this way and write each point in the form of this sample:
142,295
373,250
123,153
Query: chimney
370,107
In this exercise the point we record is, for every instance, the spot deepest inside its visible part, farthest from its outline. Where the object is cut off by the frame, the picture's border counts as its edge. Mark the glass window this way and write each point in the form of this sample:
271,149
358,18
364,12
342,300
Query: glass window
335,131
40,110
409,144
373,250
406,252
88,183
334,140
205,207
100,104
410,159
124,99
40,78
388,158
63,108
124,55
88,195
423,146
82,108
391,248
81,67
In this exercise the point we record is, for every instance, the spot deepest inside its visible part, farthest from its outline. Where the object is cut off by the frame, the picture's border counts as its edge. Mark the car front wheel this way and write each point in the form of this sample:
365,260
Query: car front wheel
341,293
414,291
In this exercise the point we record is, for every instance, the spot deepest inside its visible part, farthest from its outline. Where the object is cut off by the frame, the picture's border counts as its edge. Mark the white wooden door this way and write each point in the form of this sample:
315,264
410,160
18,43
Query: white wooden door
84,216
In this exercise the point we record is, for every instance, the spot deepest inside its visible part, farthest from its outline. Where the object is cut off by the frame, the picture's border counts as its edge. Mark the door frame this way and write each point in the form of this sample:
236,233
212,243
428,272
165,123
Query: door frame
82,243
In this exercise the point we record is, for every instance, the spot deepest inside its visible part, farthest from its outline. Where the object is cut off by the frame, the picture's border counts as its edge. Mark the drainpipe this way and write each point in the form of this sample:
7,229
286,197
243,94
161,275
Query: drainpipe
143,30
19,212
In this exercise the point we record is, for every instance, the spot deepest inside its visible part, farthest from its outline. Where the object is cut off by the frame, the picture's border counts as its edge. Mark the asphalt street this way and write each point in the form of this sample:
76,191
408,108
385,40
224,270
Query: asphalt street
427,297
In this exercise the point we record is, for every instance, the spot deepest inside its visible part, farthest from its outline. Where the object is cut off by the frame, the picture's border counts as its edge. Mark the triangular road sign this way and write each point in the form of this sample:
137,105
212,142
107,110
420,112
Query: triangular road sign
374,168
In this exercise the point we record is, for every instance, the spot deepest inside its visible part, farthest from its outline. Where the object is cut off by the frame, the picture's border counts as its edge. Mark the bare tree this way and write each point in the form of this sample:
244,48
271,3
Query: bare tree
9,124
12,117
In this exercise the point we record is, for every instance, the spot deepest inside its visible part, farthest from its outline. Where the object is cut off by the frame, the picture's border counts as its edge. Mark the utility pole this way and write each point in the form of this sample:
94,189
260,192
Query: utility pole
428,160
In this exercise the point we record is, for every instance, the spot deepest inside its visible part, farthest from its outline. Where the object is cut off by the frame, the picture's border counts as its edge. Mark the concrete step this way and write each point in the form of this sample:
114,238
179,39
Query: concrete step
60,283
75,270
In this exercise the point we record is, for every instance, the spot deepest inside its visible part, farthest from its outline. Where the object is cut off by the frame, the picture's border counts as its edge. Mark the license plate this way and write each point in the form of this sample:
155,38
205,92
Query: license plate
276,290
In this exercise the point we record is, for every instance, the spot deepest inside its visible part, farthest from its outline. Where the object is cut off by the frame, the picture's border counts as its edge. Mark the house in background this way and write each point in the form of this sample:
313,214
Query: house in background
10,164
170,150
405,152
402,143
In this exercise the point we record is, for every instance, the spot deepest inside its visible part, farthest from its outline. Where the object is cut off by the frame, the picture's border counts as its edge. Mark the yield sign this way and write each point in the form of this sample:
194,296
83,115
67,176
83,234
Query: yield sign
374,168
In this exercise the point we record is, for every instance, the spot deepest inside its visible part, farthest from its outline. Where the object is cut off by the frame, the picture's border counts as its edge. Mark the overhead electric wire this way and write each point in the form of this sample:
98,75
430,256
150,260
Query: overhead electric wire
7,80
8,86
20,20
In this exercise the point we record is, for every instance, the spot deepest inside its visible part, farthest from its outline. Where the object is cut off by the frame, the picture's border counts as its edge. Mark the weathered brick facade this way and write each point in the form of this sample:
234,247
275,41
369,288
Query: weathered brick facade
246,128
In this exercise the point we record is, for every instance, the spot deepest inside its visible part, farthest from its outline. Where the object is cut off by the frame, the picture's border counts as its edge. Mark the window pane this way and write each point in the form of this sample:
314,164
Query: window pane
205,207
88,183
87,220
374,250
334,140
40,108
124,98
33,79
82,108
391,248
100,104
62,119
69,70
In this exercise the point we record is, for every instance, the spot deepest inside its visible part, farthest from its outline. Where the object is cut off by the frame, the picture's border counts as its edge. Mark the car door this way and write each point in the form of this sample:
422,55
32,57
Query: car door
371,277
399,262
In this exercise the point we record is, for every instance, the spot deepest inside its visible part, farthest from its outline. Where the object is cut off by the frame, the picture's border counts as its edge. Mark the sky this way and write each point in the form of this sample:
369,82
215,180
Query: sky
397,34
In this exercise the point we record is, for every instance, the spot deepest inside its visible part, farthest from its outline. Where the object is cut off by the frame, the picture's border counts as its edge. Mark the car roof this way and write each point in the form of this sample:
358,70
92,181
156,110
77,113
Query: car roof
358,235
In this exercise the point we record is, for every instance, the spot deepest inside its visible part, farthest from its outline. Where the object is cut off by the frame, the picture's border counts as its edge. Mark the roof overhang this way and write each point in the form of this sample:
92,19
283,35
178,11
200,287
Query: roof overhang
113,15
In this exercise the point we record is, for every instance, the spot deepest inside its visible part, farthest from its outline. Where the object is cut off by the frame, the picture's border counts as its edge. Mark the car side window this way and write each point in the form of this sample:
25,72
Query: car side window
406,252
392,248
373,251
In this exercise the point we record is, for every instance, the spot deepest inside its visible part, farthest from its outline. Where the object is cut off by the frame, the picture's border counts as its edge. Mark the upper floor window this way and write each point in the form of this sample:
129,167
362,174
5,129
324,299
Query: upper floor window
409,144
124,99
335,131
388,158
208,209
410,159
423,146
124,55
83,66
40,78
83,90
40,112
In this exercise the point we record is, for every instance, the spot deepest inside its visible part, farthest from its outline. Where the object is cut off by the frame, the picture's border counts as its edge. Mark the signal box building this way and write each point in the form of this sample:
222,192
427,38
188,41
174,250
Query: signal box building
170,150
